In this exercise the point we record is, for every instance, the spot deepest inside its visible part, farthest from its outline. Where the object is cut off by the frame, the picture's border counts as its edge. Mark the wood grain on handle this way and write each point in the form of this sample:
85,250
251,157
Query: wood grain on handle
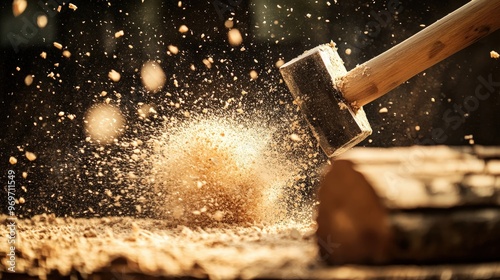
438,41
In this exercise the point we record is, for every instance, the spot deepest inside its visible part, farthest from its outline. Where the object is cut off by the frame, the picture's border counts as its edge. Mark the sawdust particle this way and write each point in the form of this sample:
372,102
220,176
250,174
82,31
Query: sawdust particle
494,54
12,160
183,29
42,21
19,6
119,34
343,106
280,63
152,76
234,37
30,156
114,76
173,49
28,80
295,137
207,63
229,24
254,75
58,45
104,123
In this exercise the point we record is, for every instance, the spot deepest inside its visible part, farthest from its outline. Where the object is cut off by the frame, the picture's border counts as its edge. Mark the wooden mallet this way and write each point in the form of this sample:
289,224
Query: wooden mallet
332,98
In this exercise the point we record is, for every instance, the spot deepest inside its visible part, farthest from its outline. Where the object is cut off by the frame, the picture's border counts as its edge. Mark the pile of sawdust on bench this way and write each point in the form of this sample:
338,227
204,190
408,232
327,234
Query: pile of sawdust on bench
119,248
46,244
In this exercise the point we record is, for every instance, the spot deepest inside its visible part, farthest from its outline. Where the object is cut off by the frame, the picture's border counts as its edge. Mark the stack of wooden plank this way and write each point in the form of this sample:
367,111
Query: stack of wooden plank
411,205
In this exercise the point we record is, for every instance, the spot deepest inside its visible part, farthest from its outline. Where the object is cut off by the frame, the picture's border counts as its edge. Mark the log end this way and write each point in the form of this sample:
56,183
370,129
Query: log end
353,224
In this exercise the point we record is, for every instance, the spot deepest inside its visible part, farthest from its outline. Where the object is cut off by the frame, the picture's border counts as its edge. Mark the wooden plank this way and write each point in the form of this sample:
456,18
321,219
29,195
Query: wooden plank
487,152
408,154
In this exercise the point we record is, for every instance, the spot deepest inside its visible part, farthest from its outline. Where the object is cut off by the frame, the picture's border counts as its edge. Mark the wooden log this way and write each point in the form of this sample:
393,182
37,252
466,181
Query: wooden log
386,206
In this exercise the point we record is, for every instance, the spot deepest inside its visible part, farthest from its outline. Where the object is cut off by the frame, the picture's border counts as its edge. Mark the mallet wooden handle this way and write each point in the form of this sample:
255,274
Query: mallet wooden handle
438,41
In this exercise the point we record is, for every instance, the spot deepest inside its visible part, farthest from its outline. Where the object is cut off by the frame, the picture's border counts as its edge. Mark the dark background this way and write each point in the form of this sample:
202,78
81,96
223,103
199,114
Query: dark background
63,178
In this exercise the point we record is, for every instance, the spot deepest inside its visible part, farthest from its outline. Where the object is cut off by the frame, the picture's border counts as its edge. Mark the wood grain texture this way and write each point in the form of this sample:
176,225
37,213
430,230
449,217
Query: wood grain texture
411,205
438,41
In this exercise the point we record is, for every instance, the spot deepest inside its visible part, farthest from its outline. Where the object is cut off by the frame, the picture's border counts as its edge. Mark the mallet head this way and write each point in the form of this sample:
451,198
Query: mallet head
311,78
